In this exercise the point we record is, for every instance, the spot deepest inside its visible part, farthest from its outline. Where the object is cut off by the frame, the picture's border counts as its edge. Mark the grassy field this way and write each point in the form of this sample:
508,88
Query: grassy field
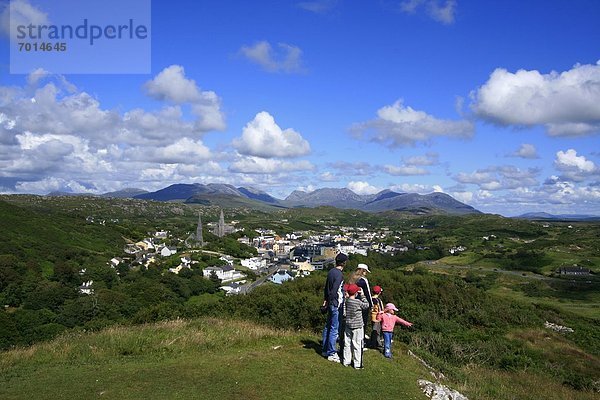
225,359
199,359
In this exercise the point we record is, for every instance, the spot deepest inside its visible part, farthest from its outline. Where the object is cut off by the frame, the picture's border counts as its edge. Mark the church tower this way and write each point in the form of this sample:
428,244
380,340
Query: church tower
199,237
221,227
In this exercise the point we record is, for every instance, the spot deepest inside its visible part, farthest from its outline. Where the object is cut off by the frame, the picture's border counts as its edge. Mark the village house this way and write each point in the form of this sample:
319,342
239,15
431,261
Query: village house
231,288
254,263
574,270
224,273
86,288
281,276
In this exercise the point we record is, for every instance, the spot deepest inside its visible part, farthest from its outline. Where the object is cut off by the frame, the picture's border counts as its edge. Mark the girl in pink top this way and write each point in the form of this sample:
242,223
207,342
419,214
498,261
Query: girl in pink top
388,322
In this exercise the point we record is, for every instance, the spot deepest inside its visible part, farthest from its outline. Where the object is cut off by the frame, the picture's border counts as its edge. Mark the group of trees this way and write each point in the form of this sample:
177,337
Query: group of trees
36,307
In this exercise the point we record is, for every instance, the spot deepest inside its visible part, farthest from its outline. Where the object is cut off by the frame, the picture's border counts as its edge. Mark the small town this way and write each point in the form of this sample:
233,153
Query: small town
278,258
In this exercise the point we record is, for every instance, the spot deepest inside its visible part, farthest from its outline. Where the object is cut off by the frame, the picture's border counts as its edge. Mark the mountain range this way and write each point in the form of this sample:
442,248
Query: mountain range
559,217
385,200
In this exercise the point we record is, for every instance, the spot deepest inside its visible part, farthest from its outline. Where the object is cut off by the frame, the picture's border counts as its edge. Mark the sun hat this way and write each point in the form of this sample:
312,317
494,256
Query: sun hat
377,289
363,266
390,306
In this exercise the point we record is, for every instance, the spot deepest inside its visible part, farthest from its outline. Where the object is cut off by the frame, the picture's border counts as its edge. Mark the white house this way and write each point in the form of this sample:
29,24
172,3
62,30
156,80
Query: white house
225,273
281,276
168,251
86,288
254,263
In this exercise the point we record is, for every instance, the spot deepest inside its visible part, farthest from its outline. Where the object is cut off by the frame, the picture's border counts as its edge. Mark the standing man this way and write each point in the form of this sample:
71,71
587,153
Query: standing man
334,300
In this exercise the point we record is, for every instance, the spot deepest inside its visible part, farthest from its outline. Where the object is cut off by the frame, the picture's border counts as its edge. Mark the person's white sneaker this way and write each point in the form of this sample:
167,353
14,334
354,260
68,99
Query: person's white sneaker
334,358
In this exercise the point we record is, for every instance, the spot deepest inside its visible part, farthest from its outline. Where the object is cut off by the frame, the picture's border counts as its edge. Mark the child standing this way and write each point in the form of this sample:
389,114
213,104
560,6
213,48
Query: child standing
376,340
388,322
354,330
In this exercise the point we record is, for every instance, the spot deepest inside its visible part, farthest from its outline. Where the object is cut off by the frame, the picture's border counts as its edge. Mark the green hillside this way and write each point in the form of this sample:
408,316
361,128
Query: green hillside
30,233
200,359
478,316
229,359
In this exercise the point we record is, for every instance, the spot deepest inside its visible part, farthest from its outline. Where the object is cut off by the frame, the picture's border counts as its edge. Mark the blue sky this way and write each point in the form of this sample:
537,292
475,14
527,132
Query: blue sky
496,103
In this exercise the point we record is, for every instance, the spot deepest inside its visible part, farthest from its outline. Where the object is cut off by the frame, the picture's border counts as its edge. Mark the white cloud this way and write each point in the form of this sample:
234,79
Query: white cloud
172,85
573,167
400,125
425,160
463,197
565,103
569,158
415,188
500,178
443,12
328,177
183,151
404,170
526,151
66,134
286,58
22,13
258,165
262,137
37,75
359,187
52,184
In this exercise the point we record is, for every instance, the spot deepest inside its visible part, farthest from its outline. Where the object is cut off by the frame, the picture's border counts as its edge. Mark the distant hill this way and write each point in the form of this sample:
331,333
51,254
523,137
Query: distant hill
386,200
383,201
258,195
559,217
340,198
182,191
419,204
125,193
58,193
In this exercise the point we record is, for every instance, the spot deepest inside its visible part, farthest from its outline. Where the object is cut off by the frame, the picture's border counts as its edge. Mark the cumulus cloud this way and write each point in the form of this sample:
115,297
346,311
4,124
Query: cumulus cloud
526,151
416,188
258,165
262,137
183,151
440,11
53,184
360,187
500,178
55,135
285,58
172,85
565,103
399,125
573,167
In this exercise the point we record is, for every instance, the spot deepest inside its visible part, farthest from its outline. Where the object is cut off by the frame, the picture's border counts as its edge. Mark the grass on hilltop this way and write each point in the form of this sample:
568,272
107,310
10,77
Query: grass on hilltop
227,359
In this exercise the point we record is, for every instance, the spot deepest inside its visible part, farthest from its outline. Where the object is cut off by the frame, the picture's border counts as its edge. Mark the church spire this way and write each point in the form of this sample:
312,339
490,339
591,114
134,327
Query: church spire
221,227
199,237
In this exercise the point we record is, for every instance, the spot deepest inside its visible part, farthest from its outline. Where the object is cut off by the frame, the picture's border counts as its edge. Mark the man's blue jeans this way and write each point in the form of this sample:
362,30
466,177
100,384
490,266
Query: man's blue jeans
387,344
331,330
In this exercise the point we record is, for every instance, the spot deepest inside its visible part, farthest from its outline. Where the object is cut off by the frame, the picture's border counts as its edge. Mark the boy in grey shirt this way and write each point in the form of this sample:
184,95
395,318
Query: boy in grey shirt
354,331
